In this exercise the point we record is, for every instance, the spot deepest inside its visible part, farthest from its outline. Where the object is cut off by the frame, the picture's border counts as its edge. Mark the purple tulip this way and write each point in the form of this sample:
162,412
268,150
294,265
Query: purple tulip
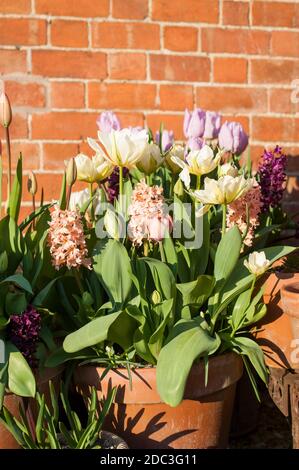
108,121
212,126
232,137
167,139
194,123
195,143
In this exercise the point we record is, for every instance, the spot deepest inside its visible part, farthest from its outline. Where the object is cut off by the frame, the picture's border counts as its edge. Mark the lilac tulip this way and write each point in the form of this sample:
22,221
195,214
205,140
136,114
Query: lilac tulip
108,121
212,125
167,139
194,123
232,137
195,143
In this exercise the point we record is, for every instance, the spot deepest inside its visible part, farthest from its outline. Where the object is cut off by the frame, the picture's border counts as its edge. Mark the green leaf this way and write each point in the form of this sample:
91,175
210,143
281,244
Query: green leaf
122,331
15,196
170,254
240,308
163,312
11,241
91,334
34,215
227,254
20,281
196,292
21,380
252,350
142,334
113,268
62,198
162,275
199,257
15,303
187,342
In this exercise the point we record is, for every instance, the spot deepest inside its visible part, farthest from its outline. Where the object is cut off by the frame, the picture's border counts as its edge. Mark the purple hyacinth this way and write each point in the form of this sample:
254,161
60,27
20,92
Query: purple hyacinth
272,177
113,183
23,332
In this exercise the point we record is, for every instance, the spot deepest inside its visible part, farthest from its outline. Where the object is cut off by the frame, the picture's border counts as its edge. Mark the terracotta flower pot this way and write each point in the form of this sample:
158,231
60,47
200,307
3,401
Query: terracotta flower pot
202,420
290,304
275,335
7,441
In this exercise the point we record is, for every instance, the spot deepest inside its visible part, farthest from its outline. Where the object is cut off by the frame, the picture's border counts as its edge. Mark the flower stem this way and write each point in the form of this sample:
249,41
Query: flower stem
78,280
145,248
162,253
223,218
9,161
33,208
91,208
198,177
121,186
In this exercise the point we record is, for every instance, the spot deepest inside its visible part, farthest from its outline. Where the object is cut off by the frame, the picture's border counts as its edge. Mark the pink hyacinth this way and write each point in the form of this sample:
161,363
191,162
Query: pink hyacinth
66,240
237,213
148,216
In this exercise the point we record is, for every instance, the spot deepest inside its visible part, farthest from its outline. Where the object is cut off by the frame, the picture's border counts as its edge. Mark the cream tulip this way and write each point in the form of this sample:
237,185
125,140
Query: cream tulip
178,152
228,169
223,191
151,159
92,169
257,263
198,162
124,148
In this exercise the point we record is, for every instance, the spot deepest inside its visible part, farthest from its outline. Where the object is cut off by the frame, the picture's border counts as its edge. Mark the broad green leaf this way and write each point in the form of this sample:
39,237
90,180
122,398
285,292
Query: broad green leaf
163,312
196,292
15,196
252,350
187,342
240,308
199,256
91,334
21,380
122,331
162,275
227,254
19,280
142,334
15,303
170,254
11,241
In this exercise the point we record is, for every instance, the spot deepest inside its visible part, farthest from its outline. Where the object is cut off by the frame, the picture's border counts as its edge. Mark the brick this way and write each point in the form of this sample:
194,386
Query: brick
16,6
69,33
181,68
235,41
230,70
121,96
22,31
177,38
26,93
274,71
170,121
18,128
30,152
274,129
126,35
55,154
67,95
131,9
129,66
63,125
131,119
285,43
187,10
235,13
81,8
176,97
69,64
13,61
230,99
281,101
269,13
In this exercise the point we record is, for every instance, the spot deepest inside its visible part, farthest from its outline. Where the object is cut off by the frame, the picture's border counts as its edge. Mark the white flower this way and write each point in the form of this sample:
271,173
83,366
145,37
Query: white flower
79,198
198,162
257,263
124,147
223,191
151,159
228,169
92,169
112,224
178,152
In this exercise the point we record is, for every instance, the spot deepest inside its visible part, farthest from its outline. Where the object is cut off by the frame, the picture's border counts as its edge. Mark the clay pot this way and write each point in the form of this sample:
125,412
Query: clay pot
290,304
202,420
275,335
7,441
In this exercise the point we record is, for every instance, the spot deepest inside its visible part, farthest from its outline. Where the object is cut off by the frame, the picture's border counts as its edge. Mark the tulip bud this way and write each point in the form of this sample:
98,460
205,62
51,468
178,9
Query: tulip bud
3,262
32,183
112,224
71,172
156,297
179,188
5,110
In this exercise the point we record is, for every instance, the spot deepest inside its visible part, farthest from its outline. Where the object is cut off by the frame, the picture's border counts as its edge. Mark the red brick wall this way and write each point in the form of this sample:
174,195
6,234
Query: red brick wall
64,61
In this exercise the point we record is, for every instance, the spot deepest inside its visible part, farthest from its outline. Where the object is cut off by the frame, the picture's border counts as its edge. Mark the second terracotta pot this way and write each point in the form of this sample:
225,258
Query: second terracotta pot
202,420
7,441
290,304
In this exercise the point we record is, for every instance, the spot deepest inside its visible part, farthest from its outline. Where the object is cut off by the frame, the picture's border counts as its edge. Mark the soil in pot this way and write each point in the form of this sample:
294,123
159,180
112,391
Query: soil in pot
202,420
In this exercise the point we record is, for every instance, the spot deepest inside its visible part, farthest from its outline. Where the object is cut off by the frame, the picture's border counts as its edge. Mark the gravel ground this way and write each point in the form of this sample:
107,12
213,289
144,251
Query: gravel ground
272,432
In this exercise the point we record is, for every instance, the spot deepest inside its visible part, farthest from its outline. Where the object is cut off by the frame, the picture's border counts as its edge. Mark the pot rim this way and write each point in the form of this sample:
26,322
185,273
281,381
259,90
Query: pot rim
290,299
224,371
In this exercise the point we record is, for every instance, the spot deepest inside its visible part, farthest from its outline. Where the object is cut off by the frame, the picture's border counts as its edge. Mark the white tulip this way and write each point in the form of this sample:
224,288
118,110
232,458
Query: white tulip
151,159
79,198
124,148
257,263
223,191
112,225
178,152
228,169
198,162
92,169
